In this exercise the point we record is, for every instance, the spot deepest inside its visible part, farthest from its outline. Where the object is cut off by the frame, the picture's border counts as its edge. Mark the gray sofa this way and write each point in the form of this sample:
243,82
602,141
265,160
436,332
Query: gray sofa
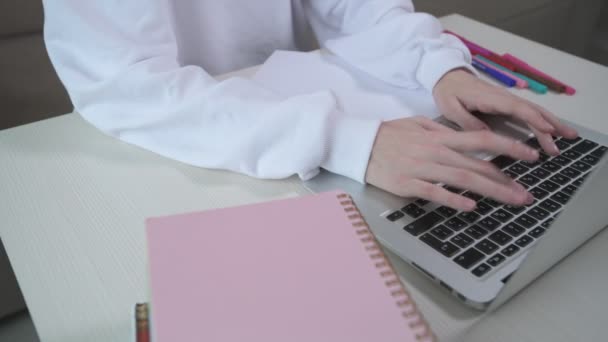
29,87
30,90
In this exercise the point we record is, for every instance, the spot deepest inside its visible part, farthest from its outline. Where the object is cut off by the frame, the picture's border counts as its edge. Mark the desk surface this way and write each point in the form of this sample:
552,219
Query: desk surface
74,201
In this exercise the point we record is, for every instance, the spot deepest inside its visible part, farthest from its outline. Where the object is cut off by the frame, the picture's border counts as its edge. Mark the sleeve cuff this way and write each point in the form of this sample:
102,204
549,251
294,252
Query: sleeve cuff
350,146
437,63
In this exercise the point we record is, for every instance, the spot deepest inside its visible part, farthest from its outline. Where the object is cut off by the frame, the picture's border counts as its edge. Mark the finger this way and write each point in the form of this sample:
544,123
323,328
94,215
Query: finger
438,194
457,113
486,141
518,108
561,129
445,156
513,193
546,142
431,125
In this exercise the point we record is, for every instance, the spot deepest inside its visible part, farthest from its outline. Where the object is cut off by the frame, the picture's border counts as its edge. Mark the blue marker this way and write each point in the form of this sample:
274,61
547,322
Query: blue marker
497,75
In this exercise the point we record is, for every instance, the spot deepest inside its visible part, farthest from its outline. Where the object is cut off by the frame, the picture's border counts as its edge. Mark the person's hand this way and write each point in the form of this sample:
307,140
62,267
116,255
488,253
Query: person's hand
410,155
458,93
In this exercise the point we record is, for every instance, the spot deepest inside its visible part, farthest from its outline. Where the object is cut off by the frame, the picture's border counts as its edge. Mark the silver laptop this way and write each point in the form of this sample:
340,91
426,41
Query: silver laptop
487,256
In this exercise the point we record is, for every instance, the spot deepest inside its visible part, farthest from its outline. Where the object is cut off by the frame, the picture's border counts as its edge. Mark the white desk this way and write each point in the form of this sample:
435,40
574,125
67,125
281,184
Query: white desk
73,203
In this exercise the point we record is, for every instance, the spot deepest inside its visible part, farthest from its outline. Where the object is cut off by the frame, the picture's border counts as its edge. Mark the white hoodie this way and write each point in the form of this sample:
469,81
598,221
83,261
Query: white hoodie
140,70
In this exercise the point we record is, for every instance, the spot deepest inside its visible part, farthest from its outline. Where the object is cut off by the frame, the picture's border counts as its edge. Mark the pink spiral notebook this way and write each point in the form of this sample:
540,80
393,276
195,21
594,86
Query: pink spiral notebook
301,269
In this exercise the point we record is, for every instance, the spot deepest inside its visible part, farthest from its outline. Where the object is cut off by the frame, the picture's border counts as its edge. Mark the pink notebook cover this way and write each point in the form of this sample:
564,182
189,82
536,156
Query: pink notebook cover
301,269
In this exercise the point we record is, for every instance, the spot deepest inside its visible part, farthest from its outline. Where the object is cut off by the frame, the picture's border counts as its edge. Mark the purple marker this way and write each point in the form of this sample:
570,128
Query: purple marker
497,75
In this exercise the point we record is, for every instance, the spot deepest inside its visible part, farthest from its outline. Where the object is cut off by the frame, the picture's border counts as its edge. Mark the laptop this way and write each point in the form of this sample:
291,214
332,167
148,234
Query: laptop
486,256
483,257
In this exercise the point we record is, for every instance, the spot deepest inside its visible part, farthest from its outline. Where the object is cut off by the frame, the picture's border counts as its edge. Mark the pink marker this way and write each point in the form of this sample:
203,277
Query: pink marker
474,48
519,83
514,60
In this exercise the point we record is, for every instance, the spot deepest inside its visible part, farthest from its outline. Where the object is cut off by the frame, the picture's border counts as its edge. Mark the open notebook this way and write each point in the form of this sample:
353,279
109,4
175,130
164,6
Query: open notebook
300,269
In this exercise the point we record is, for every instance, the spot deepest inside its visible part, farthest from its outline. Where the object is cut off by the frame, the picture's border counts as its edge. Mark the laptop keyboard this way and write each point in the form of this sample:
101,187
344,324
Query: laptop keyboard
492,234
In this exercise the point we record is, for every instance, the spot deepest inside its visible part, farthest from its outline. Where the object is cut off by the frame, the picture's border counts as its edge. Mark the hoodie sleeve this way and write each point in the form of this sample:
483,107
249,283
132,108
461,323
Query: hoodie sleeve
118,62
388,40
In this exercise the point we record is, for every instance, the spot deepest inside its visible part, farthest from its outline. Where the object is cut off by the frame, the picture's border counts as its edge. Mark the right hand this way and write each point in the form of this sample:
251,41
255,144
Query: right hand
410,155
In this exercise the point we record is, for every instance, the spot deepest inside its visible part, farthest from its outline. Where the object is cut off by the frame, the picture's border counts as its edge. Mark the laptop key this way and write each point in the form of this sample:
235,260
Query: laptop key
570,189
511,174
538,193
501,215
537,232
561,145
550,205
422,202
559,179
442,232
455,223
462,240
423,224
560,197
578,182
469,258
487,246
540,173
570,172
580,166
571,141
549,186
489,223
492,202
518,169
514,229
413,210
502,161
480,270
510,250
550,166
483,208
533,142
526,221
571,154
538,213
543,157
500,238
529,179
547,223
476,232
531,164
496,260
584,146
599,152
395,216
446,211
446,248
453,189
524,241
513,209
475,197
561,160
469,216
589,159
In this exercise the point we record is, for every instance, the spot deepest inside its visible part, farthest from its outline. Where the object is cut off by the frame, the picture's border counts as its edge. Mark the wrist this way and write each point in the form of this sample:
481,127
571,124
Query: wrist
450,78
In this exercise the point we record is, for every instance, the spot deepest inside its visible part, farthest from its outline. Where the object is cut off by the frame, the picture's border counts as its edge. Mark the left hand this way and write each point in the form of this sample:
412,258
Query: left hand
459,93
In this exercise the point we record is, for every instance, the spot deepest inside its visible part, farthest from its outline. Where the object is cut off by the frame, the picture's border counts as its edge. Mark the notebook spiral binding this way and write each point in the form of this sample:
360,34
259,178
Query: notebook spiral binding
403,300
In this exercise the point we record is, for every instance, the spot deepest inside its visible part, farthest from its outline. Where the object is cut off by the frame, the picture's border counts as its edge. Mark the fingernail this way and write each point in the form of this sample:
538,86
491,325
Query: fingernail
529,199
554,148
469,205
533,153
